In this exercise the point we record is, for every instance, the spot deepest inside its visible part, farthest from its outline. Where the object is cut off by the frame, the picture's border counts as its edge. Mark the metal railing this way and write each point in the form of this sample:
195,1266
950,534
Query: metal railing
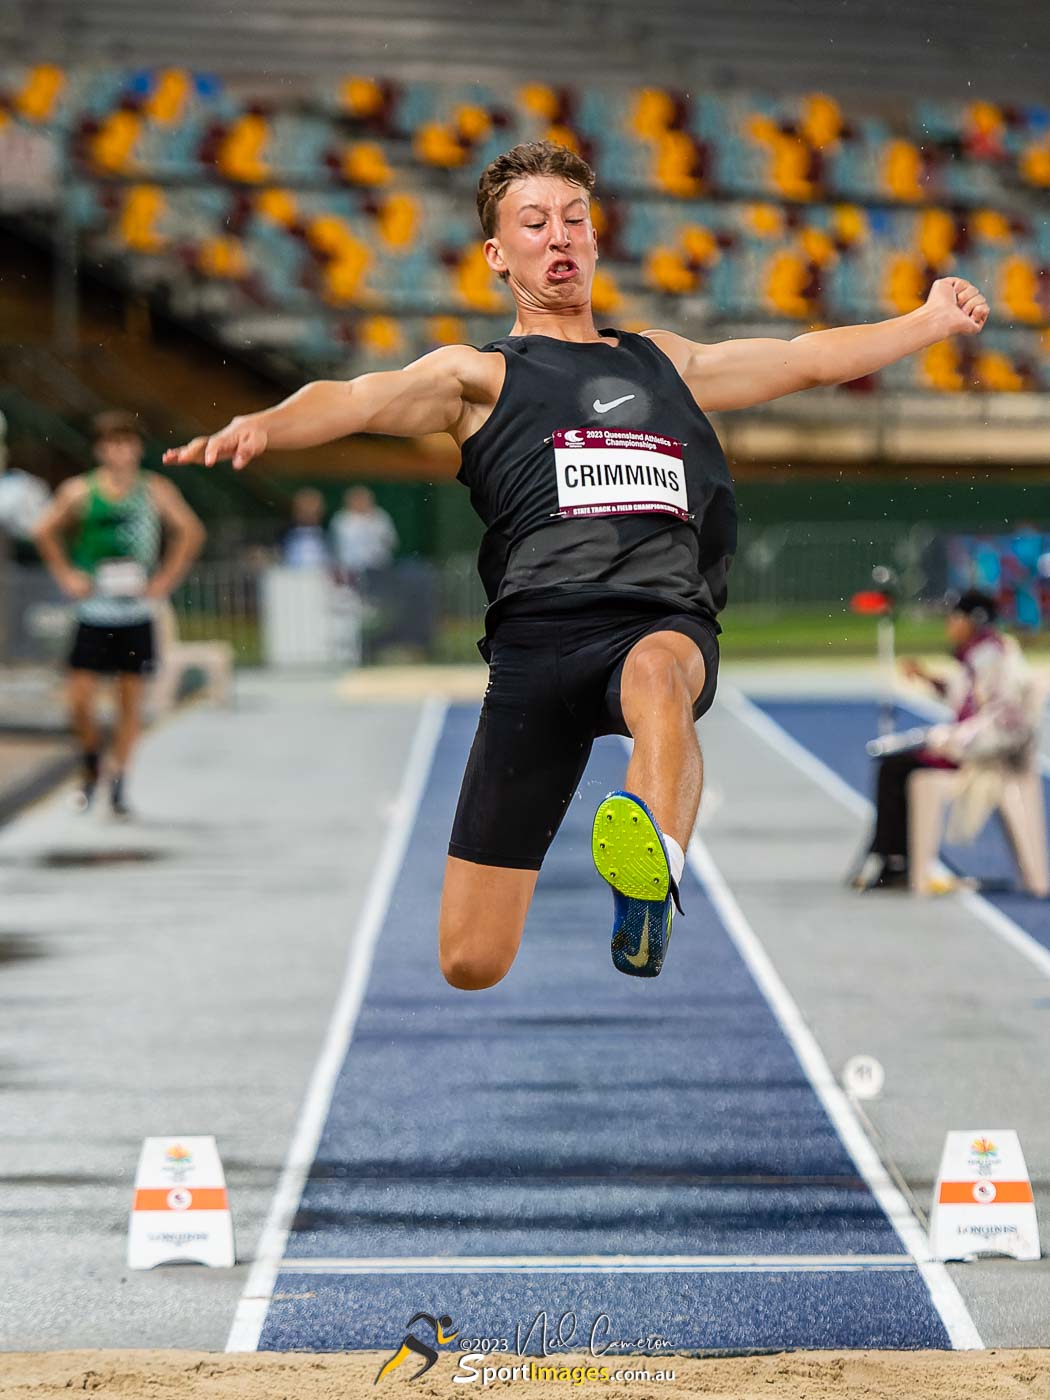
419,610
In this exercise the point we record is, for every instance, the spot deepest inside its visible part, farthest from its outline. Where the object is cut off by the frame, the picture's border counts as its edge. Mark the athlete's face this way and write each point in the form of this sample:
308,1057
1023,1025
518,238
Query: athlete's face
120,452
545,242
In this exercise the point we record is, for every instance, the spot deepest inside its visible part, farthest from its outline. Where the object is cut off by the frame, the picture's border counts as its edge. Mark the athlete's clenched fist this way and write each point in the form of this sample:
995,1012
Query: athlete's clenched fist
960,304
240,441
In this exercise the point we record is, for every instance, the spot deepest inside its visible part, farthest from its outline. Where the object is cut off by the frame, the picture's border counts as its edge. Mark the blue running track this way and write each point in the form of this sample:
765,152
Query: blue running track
835,731
574,1112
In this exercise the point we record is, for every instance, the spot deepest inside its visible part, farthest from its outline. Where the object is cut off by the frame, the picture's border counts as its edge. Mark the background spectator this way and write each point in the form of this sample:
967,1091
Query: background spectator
22,500
304,544
363,535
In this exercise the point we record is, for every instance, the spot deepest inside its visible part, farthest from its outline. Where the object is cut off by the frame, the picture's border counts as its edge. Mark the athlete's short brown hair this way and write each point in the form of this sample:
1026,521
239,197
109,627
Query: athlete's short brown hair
115,422
530,158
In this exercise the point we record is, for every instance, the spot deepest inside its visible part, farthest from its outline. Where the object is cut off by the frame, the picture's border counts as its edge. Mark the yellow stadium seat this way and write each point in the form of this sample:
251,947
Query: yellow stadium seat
361,97
222,258
1019,289
112,145
761,128
40,92
985,119
605,294
1034,163
382,335
765,220
991,226
821,120
851,223
673,164
435,144
538,100
447,330
939,367
598,218
398,220
994,371
344,276
331,234
906,283
563,136
700,245
364,163
137,225
473,123
786,279
167,102
650,113
817,246
936,236
902,170
789,167
240,154
665,270
278,206
474,282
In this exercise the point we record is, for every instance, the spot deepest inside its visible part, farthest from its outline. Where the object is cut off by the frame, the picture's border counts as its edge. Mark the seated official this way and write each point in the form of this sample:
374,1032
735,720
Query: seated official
989,695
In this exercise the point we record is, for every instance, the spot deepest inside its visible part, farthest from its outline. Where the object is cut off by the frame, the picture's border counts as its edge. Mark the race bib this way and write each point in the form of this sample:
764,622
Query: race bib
120,578
613,471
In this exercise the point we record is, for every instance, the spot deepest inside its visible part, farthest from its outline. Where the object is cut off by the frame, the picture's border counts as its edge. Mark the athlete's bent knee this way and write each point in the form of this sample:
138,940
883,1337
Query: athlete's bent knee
658,674
472,972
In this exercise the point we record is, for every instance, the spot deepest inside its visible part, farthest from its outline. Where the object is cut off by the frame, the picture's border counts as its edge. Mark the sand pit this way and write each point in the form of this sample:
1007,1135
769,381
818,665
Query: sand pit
827,1375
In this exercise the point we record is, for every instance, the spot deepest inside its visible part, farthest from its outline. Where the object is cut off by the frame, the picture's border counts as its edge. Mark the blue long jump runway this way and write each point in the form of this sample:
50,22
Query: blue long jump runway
835,731
571,1115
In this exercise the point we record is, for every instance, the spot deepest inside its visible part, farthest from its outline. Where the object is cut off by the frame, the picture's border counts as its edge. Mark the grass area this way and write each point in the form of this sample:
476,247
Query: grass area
768,634
748,632
831,632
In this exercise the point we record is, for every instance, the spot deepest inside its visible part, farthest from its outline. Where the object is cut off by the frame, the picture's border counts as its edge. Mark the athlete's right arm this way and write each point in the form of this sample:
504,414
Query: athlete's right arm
428,396
59,515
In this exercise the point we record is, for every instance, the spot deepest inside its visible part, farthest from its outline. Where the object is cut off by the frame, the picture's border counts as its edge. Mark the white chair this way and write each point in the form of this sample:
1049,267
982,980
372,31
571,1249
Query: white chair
1020,806
174,657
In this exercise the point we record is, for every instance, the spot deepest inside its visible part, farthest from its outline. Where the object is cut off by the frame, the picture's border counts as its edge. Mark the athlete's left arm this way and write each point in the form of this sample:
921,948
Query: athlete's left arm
742,373
185,536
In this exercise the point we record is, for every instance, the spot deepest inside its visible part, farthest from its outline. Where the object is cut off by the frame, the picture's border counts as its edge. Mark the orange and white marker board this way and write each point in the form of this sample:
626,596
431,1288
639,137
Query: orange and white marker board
983,1202
180,1210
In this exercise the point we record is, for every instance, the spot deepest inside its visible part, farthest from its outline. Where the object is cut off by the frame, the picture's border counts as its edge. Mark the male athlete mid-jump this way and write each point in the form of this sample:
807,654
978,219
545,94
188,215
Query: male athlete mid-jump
610,528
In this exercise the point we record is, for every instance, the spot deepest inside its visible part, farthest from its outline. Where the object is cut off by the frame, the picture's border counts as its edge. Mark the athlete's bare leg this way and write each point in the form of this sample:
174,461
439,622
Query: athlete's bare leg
483,907
83,687
662,678
483,910
129,720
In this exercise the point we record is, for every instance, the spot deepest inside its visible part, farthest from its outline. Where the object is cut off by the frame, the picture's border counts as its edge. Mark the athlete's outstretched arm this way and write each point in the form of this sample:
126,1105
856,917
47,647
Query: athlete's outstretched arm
742,373
428,396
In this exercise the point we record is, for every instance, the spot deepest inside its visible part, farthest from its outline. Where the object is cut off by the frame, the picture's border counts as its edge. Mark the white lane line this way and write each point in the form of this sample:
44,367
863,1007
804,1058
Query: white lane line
255,1300
606,1264
946,1299
760,723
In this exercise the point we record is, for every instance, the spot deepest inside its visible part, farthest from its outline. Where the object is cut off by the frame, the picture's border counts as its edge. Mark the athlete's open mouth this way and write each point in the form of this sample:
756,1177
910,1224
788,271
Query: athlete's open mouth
561,270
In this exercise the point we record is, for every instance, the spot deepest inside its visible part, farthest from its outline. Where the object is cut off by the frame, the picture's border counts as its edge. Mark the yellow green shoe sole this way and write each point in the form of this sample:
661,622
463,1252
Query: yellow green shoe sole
627,849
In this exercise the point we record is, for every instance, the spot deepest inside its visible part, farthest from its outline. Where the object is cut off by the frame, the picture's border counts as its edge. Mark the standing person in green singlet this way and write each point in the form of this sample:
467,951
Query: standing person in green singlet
115,515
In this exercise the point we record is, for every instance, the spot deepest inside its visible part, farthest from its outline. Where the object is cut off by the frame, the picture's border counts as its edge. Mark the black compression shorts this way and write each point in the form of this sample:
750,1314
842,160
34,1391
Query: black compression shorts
113,650
554,686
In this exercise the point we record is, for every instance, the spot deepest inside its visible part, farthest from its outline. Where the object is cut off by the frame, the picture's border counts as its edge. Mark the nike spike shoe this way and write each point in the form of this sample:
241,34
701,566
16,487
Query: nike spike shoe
629,853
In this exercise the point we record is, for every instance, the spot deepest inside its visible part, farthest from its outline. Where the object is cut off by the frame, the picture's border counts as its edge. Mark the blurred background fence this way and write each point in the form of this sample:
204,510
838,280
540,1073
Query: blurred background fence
793,578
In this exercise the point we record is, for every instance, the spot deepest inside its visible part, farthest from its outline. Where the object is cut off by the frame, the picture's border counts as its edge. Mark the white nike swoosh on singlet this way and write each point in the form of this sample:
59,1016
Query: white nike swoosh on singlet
600,407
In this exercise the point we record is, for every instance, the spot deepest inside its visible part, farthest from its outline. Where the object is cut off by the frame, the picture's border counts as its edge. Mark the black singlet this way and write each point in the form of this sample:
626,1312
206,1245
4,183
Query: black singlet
597,472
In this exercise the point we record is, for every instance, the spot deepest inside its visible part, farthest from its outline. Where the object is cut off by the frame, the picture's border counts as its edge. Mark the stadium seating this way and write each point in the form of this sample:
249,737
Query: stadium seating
346,204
